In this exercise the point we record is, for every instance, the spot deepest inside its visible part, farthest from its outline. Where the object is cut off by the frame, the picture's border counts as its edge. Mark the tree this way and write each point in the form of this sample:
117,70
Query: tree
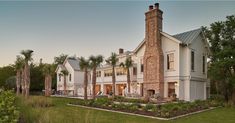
5,73
95,62
48,71
127,65
19,63
60,59
36,78
84,65
221,36
65,73
113,60
27,57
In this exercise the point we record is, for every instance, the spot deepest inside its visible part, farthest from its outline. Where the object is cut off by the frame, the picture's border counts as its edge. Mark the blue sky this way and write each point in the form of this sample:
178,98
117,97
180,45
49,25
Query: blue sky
90,28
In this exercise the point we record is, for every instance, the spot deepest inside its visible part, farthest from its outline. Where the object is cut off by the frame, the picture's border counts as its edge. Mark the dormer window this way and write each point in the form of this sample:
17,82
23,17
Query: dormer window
70,77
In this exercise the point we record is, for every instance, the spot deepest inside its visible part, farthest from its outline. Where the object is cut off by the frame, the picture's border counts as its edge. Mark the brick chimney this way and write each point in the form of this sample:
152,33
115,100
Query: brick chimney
153,56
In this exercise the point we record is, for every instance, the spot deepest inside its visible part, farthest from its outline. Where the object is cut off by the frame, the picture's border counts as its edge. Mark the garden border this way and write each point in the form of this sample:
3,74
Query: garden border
133,114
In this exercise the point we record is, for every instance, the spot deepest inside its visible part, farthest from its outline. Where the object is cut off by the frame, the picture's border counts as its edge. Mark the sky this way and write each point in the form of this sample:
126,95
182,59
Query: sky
82,28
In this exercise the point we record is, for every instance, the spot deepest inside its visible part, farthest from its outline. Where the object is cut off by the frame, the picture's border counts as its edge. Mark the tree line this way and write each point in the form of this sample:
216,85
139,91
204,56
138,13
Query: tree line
221,37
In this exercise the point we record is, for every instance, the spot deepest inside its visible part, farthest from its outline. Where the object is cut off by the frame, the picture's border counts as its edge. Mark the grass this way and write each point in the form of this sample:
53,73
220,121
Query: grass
61,113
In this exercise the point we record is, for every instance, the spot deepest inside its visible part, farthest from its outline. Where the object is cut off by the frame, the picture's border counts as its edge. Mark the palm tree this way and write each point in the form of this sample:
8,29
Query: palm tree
65,73
48,71
95,62
27,57
84,65
127,64
18,66
113,60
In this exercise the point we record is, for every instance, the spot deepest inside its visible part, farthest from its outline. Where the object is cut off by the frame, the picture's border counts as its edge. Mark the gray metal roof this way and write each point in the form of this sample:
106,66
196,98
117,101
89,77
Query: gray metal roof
74,63
189,36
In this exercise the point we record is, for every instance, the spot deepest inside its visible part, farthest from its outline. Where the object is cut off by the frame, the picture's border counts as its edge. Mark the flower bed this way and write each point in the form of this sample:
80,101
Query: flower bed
165,110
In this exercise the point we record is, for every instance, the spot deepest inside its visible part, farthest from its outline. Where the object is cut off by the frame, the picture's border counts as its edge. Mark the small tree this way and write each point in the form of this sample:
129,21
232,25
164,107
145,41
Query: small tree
48,71
95,61
127,65
84,65
113,60
27,57
19,63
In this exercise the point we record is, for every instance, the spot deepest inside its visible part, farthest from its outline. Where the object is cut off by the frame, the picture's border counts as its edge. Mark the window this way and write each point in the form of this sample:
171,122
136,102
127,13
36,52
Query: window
192,61
59,78
108,73
170,61
70,77
142,65
98,73
142,68
134,71
121,71
203,64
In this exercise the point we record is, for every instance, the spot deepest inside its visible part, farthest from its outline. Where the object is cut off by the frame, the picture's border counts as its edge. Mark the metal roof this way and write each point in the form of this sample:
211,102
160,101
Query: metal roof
189,36
74,63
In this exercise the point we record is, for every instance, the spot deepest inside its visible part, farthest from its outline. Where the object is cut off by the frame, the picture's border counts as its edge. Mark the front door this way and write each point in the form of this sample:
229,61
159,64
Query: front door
171,88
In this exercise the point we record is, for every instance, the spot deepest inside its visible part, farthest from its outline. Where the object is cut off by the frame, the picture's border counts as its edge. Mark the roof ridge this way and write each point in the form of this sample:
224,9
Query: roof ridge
188,31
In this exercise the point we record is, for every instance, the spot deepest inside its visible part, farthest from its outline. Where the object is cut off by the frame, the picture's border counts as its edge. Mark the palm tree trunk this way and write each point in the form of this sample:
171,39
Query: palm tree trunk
128,80
18,82
49,85
23,81
93,83
46,85
113,80
65,93
85,84
27,80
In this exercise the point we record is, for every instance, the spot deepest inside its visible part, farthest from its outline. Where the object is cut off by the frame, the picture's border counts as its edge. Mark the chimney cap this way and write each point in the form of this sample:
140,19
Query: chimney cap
156,5
121,50
150,7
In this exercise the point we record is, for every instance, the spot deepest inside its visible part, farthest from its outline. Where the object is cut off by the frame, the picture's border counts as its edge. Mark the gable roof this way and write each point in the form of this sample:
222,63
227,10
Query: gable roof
189,36
184,38
60,66
139,46
74,63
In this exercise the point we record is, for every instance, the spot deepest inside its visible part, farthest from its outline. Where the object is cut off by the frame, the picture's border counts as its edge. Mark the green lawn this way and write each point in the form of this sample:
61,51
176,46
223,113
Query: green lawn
61,113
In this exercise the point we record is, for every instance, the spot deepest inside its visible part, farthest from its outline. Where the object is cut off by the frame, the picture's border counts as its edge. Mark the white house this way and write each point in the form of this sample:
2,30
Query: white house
74,79
164,64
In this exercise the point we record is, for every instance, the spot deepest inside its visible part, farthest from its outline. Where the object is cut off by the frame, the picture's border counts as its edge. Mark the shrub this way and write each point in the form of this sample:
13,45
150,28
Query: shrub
8,109
133,107
149,107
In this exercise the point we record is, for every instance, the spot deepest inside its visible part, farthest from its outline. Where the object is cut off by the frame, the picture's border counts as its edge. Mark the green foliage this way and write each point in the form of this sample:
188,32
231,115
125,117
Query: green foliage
8,109
10,83
60,59
112,60
37,78
38,102
221,36
5,73
150,107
